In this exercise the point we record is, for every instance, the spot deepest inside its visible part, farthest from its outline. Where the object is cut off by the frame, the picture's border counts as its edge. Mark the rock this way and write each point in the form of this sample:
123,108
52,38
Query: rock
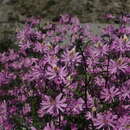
14,11
86,10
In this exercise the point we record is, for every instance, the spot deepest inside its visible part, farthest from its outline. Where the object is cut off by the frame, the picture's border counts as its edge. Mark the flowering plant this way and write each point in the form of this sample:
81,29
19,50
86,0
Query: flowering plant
64,77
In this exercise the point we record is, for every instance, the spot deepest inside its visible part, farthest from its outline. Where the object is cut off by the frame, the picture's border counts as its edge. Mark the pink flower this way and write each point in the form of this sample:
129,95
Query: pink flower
53,106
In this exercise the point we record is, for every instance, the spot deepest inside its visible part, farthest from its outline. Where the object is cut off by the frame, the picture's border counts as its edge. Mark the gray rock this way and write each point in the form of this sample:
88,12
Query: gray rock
13,11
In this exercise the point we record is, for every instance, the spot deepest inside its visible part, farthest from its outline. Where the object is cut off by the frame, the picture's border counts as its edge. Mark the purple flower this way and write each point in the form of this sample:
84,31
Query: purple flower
53,106
125,93
75,106
49,62
33,128
35,73
109,16
74,127
50,126
65,19
57,74
124,30
3,112
90,101
118,45
26,108
89,115
105,120
109,94
101,49
38,47
12,55
78,106
123,123
100,81
28,62
119,65
33,21
6,126
71,57
6,77
109,30
50,59
23,35
75,20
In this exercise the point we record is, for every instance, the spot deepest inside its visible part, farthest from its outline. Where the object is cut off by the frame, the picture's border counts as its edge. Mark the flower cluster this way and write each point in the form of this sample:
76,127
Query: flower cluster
64,77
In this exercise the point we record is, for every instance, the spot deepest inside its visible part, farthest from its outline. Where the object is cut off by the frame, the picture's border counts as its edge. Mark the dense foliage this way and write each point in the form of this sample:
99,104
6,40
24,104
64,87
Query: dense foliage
62,77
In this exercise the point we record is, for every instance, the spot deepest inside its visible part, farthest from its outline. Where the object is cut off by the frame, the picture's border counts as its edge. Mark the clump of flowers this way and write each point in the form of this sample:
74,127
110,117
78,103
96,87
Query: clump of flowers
64,77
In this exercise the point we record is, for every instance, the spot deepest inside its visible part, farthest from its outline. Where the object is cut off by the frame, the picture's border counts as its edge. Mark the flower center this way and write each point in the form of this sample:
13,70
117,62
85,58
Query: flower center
125,38
120,61
56,68
105,121
52,101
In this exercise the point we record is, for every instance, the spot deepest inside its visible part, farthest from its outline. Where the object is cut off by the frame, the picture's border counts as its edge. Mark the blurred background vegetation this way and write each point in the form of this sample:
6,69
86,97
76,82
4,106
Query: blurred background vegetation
13,12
